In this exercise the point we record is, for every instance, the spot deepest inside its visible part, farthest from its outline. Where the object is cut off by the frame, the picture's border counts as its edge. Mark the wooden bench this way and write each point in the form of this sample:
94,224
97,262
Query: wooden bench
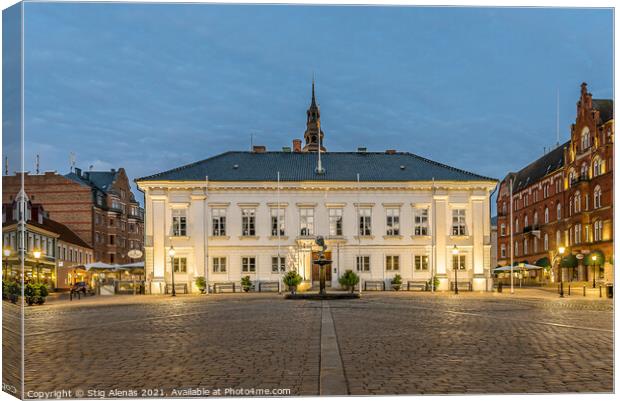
421,285
376,285
462,285
177,288
222,286
273,286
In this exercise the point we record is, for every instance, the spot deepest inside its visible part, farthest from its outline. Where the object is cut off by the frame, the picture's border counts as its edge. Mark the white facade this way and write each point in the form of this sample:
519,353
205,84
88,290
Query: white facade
181,213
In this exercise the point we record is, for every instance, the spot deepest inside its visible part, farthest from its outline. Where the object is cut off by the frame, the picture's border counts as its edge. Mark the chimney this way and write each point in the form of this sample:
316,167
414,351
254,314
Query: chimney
390,152
362,150
78,172
296,145
259,149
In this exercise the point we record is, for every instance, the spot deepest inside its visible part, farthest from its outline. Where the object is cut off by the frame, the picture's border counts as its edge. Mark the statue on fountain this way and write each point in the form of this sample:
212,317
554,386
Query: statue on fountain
322,262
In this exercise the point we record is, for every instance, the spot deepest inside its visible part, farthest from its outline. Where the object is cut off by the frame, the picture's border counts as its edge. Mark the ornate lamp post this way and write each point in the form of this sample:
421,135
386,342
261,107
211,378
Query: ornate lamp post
171,253
6,252
593,271
37,255
560,253
455,252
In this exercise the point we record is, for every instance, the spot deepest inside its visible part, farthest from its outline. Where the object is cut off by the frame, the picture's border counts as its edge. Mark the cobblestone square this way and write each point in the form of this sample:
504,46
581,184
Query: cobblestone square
384,343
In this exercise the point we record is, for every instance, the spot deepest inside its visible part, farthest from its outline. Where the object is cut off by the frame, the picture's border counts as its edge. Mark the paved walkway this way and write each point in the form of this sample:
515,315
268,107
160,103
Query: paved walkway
261,344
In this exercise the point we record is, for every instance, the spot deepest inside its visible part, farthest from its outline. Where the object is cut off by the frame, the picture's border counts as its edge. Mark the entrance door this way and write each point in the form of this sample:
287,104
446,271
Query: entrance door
316,275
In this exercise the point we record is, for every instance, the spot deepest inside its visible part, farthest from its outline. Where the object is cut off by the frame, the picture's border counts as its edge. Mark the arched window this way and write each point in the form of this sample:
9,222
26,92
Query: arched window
585,139
598,230
558,239
546,242
597,197
572,177
525,247
596,167
546,215
584,171
577,202
516,248
525,222
535,218
559,211
516,225
504,208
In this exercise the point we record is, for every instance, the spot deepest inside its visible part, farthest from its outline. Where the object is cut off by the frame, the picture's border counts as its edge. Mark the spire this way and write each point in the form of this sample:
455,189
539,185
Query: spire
313,134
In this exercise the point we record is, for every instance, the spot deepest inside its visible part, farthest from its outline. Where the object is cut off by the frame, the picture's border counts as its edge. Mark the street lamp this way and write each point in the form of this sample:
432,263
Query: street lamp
37,255
593,271
6,252
560,253
171,253
455,252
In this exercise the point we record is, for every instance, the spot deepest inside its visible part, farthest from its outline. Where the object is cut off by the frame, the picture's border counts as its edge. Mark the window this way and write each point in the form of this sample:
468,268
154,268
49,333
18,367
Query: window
392,262
111,239
516,248
516,225
364,222
219,265
558,239
546,191
597,167
335,222
585,139
179,223
248,264
459,262
458,222
503,250
535,218
502,230
420,221
577,202
392,221
598,230
306,222
558,186
558,209
363,263
218,219
504,208
546,215
525,247
577,233
277,222
546,242
248,222
587,233
180,265
278,264
420,262
584,171
597,197
525,222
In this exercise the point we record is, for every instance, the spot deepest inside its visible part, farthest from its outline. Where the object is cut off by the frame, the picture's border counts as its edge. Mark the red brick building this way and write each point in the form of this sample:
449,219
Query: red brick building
565,198
97,205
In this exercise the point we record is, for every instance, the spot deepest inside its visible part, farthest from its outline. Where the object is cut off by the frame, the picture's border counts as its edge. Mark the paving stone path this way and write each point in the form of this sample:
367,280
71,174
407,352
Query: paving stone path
249,344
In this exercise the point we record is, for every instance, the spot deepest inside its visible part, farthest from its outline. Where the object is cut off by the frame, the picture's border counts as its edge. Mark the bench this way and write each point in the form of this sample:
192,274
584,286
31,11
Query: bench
462,285
269,286
421,285
177,288
221,286
376,285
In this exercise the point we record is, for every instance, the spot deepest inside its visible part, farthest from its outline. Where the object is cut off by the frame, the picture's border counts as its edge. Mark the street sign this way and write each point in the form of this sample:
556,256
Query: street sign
134,253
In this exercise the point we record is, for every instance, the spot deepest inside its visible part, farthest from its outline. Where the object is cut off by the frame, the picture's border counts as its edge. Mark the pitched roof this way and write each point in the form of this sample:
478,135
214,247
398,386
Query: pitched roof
101,180
293,166
64,233
540,168
605,108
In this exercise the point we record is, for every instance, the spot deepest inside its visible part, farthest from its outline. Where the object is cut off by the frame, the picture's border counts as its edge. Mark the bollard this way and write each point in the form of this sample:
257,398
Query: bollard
600,291
584,290
569,289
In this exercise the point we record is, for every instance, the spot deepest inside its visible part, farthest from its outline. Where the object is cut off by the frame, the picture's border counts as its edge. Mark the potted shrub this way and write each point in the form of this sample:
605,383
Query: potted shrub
42,294
397,281
14,291
292,280
246,283
201,284
435,282
30,294
348,280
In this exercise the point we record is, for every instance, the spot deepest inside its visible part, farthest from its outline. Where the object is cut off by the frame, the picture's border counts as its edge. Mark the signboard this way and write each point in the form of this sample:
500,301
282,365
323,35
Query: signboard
135,253
579,256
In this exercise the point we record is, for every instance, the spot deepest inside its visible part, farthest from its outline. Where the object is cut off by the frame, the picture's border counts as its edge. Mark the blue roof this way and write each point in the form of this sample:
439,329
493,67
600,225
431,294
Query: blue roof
294,166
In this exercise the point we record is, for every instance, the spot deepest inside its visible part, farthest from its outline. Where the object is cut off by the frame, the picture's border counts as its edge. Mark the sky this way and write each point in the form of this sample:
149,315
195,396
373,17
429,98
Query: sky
150,87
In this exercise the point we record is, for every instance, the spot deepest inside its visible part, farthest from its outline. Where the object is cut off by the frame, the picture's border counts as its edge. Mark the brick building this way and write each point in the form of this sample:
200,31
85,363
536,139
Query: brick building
565,198
97,205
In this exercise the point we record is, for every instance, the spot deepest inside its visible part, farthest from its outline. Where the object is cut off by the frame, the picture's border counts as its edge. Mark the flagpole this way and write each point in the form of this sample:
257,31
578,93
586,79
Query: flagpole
512,248
359,235
434,265
278,229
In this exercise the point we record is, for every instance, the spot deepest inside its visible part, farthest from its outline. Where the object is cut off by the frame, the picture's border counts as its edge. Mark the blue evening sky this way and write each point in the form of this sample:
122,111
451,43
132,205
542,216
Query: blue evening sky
152,86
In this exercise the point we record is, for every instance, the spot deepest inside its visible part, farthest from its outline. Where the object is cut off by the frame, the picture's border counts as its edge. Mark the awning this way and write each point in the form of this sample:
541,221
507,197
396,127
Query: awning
100,266
516,268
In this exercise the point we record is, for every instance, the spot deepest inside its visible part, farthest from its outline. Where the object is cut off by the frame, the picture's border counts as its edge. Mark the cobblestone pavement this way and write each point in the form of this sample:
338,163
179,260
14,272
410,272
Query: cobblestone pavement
389,343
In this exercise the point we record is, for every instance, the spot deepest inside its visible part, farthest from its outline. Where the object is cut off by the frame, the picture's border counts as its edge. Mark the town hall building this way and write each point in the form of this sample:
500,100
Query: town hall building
257,213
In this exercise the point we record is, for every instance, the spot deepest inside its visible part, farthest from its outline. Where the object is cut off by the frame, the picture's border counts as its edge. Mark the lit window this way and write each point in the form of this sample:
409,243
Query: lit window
420,221
421,262
335,222
179,222
392,262
459,262
392,221
597,197
218,219
277,222
306,222
180,265
458,222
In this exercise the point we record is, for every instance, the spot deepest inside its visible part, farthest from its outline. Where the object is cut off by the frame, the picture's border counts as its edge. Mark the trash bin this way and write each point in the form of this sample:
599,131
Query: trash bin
499,287
610,290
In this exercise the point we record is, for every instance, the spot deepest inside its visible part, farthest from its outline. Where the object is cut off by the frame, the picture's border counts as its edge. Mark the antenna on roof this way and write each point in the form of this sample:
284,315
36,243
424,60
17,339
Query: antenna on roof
36,164
557,119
